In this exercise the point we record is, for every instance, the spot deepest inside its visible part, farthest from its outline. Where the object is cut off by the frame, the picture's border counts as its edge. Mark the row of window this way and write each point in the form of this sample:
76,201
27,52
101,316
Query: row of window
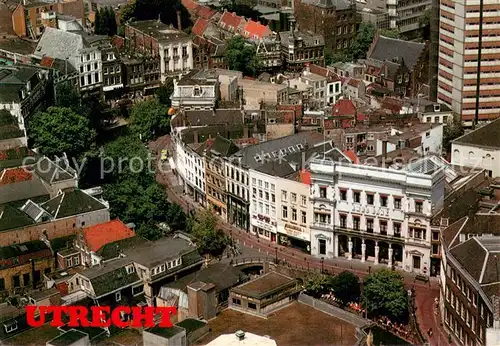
88,67
356,224
236,175
263,195
293,214
111,69
262,208
293,198
166,266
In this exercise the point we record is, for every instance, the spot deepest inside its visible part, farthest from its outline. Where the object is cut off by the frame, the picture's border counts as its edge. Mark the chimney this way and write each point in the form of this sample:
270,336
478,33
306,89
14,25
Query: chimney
195,135
240,335
179,23
384,149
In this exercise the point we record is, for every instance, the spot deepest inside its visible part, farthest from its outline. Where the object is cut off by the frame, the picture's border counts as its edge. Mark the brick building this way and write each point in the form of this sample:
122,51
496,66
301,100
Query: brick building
336,21
30,18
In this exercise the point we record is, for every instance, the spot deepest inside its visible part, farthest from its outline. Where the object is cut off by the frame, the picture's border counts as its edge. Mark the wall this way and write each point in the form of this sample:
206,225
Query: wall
434,142
255,92
40,264
475,156
54,229
269,209
19,21
150,339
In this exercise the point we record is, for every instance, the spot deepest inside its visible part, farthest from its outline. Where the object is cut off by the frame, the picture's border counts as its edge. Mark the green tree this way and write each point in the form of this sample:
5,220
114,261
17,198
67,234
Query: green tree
127,12
164,92
150,231
384,295
209,238
346,287
67,96
362,41
98,24
452,131
332,58
241,56
176,218
60,130
112,26
392,33
105,22
318,284
149,119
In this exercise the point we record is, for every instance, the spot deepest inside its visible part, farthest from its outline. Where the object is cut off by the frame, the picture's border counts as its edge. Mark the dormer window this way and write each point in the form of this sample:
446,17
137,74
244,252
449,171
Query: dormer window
197,91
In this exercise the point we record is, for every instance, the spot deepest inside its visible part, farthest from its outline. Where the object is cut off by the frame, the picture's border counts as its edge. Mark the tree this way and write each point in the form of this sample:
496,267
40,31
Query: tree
98,22
176,218
127,12
332,58
149,119
318,284
392,33
105,22
452,131
60,130
68,96
209,238
164,92
150,231
362,41
346,287
384,295
241,56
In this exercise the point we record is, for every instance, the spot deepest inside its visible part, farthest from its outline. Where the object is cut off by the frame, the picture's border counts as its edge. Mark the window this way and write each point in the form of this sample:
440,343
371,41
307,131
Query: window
69,262
76,260
260,194
252,306
427,134
369,225
383,227
303,200
137,290
254,181
260,183
343,221
130,269
294,197
284,212
357,197
118,296
304,217
397,203
322,192
273,199
369,199
417,233
355,223
294,214
322,246
267,196
383,201
343,195
419,206
236,301
9,328
416,262
283,195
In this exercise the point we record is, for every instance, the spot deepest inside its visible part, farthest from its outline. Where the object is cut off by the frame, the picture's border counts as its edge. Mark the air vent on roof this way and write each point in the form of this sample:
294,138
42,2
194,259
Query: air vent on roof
23,248
291,149
283,151
300,146
258,158
267,156
444,222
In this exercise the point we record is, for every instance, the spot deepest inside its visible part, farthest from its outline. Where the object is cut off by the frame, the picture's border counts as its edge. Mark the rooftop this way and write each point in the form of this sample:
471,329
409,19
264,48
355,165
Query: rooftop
162,32
67,338
59,44
72,202
104,233
308,39
485,136
395,50
166,332
264,285
243,339
198,77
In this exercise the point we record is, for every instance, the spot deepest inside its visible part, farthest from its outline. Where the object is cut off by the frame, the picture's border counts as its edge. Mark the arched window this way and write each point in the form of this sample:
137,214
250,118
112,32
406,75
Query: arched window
471,155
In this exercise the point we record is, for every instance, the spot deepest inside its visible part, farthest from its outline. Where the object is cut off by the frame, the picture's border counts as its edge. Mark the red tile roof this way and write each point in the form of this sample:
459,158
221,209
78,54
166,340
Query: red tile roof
231,21
361,117
14,175
118,41
343,107
199,27
323,71
354,82
351,155
256,30
189,5
305,177
46,61
204,12
99,235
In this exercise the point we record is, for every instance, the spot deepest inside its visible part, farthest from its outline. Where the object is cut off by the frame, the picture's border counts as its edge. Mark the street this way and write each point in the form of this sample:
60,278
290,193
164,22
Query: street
425,292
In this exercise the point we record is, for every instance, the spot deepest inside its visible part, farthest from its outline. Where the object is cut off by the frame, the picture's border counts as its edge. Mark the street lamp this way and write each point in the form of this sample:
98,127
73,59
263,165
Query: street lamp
322,262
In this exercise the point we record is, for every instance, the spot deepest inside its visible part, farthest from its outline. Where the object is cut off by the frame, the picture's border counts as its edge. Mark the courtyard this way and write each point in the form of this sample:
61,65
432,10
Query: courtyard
296,324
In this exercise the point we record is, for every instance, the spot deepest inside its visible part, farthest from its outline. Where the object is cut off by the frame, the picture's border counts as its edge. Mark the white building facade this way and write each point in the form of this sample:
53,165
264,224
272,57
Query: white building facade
375,215
263,220
238,193
89,66
198,90
176,56
295,213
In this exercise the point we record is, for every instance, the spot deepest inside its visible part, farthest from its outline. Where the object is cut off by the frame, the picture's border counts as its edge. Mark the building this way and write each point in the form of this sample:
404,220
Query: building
299,47
379,18
470,278
72,337
12,136
22,91
31,18
198,90
241,337
141,269
90,240
156,336
459,59
405,16
333,87
398,65
269,52
263,295
426,138
385,218
255,93
336,21
215,181
479,149
436,113
252,157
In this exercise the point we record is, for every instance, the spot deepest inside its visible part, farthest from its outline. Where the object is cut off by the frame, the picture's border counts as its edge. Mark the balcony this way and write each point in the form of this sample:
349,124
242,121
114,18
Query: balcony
323,226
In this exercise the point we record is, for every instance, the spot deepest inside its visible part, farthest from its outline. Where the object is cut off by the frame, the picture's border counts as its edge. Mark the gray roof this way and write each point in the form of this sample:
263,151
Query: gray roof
390,48
338,4
22,190
72,202
199,77
253,156
59,44
485,136
17,75
222,147
217,117
309,39
160,31
53,172
278,168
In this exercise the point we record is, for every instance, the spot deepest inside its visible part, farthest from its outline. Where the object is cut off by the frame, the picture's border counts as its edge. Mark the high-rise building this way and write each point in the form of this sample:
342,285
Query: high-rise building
469,40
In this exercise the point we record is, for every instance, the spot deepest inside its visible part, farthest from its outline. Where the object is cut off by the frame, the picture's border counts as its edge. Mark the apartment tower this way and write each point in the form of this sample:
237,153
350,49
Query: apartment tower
469,40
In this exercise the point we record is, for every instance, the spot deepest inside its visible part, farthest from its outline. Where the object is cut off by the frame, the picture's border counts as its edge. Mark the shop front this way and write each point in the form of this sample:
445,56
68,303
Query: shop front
263,226
294,236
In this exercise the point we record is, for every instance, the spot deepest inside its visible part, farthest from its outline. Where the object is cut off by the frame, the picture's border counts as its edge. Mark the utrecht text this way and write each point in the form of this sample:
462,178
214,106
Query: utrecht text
100,316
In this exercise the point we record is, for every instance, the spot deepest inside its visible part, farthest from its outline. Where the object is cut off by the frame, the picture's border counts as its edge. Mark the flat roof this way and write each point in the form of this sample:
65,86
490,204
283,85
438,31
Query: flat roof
165,332
264,284
67,338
